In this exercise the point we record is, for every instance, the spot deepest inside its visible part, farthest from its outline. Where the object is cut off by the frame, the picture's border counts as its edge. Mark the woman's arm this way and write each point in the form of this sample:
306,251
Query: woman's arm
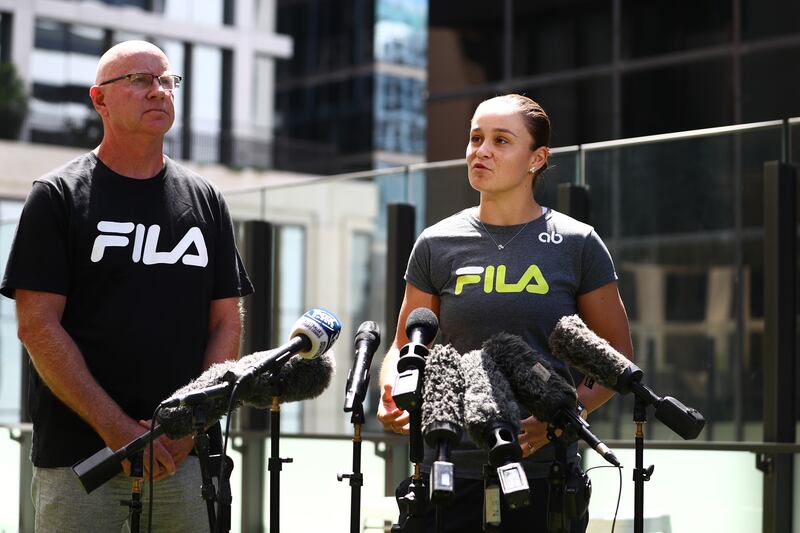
389,415
603,311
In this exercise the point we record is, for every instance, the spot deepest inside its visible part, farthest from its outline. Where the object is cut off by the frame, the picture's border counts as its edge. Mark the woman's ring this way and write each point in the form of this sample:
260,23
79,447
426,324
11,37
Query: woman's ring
530,446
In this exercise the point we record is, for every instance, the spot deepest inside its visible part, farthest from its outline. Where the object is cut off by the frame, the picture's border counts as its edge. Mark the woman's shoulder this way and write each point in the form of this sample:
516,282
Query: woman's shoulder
566,225
456,224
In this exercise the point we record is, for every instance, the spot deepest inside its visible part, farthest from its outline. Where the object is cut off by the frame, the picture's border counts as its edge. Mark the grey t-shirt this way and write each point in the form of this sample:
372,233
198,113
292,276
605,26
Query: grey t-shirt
523,289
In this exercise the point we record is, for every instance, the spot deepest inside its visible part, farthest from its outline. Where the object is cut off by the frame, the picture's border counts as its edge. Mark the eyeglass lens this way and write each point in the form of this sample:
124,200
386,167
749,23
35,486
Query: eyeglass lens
145,81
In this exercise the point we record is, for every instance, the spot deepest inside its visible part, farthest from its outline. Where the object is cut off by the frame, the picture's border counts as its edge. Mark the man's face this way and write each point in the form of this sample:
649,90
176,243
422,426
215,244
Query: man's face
131,110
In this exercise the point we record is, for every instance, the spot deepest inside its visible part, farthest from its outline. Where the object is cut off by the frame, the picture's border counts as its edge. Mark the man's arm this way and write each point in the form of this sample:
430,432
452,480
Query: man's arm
61,365
224,333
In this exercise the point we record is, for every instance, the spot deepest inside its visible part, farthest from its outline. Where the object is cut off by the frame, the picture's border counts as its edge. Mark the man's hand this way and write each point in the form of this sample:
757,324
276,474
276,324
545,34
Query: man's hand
123,433
178,449
390,416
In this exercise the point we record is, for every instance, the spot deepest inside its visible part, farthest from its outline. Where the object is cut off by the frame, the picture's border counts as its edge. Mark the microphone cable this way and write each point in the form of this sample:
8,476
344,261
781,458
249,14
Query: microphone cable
619,491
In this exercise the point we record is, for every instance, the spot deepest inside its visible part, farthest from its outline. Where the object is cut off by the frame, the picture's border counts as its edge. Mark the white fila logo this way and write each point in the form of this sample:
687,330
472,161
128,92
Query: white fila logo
553,237
145,242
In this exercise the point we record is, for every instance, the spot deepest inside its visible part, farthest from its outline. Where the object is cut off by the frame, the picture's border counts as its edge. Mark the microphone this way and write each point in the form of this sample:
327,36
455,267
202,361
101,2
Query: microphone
421,328
299,379
492,417
576,344
544,392
312,335
259,376
368,338
443,415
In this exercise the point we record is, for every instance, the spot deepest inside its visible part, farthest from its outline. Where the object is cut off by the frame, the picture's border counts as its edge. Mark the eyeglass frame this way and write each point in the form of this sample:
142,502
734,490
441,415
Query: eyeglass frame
176,79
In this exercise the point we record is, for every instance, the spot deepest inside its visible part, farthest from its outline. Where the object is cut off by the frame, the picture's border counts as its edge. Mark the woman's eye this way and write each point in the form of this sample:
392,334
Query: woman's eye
474,139
501,140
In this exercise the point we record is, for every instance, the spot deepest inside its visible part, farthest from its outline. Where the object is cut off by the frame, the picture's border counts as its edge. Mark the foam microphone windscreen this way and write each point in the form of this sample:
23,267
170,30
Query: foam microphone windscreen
574,343
298,379
422,325
488,399
537,386
443,396
178,421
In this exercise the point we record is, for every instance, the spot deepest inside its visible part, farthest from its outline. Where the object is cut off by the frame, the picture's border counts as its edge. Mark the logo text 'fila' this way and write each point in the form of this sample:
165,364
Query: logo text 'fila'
145,243
494,280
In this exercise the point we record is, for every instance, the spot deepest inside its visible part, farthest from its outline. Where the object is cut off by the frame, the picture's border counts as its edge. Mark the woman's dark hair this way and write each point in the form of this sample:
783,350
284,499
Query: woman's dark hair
536,122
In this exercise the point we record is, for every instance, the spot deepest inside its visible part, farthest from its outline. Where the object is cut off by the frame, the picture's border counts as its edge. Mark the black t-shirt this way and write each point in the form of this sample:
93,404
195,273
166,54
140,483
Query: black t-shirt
139,262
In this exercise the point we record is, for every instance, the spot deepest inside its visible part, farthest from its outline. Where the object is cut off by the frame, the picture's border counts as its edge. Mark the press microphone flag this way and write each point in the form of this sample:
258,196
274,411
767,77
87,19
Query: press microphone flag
542,390
442,415
576,344
368,338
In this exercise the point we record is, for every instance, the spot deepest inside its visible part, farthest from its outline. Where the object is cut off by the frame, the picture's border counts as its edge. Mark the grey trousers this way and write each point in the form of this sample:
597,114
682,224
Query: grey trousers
62,505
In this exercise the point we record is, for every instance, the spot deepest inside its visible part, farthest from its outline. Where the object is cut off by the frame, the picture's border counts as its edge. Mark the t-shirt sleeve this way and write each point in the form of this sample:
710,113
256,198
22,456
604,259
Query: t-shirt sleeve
418,272
230,277
38,258
597,267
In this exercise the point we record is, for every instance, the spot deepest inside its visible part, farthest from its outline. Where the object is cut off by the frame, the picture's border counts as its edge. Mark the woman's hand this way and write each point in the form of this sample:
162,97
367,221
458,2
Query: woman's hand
390,416
533,436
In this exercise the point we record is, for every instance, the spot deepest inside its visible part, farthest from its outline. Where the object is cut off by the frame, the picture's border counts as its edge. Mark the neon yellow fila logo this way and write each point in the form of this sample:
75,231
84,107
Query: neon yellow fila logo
494,280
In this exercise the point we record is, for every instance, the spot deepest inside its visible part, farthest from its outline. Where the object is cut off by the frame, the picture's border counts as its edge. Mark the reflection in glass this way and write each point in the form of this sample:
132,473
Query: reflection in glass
206,94
691,25
63,65
549,37
690,274
290,242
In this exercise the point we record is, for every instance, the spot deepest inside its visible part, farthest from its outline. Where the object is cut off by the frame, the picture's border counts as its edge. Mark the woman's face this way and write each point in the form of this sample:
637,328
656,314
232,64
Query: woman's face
499,153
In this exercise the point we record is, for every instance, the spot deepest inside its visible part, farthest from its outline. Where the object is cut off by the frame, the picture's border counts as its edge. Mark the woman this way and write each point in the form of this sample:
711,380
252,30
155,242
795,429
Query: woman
510,265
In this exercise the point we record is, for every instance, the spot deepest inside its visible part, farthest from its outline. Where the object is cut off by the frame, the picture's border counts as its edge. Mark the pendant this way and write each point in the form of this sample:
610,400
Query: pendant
500,246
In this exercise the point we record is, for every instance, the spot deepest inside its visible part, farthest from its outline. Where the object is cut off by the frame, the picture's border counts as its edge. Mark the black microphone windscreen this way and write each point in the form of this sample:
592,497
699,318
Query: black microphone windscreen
298,379
537,386
443,394
574,343
177,421
488,398
369,331
423,320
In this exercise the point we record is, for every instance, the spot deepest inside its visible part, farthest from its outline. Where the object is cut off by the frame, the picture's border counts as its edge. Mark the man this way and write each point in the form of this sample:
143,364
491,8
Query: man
127,284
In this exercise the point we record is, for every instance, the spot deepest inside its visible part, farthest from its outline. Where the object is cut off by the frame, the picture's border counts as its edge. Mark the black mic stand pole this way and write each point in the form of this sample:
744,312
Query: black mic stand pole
415,501
219,522
640,474
356,477
275,465
557,521
135,503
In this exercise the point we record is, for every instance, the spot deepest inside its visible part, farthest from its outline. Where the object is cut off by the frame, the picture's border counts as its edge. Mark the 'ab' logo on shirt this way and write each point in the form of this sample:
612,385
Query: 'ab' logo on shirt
145,243
494,280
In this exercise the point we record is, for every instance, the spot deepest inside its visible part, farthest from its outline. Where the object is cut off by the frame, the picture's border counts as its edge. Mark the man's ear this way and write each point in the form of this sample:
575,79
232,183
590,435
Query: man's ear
98,99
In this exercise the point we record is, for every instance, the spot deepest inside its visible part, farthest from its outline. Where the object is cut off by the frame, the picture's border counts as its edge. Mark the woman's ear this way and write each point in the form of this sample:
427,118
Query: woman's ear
539,157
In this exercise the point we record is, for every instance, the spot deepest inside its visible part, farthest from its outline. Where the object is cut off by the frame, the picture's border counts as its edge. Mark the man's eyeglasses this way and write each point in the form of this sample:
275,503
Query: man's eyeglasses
144,80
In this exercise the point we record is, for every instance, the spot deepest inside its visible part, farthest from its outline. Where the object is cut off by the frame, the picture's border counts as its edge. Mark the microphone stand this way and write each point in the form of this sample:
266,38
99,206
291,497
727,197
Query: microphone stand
415,501
640,474
275,465
135,503
356,477
557,521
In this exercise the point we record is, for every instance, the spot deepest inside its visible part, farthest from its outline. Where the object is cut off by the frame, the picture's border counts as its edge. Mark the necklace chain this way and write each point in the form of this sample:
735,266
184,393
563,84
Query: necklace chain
502,246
